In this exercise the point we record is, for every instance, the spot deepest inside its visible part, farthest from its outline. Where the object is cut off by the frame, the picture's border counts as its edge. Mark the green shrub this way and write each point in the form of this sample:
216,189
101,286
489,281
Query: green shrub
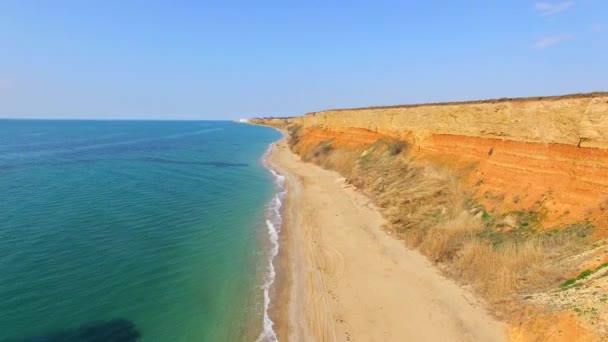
584,274
601,266
568,282
485,216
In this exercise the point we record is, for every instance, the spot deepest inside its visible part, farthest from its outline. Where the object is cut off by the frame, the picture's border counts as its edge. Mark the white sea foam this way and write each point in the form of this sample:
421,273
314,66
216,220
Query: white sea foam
273,223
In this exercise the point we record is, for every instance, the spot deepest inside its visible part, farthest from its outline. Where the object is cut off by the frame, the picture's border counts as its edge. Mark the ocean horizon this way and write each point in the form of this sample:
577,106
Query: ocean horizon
164,229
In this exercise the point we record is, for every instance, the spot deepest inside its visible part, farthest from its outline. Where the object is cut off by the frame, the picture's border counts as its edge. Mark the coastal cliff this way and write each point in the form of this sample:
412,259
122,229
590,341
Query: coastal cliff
549,154
509,196
571,119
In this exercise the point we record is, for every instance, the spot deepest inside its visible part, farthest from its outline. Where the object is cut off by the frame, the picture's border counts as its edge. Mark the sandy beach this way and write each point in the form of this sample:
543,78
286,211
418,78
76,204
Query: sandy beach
347,280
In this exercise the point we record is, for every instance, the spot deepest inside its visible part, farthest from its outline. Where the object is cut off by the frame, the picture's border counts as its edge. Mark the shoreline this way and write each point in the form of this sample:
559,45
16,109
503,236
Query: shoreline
342,278
284,307
278,310
274,225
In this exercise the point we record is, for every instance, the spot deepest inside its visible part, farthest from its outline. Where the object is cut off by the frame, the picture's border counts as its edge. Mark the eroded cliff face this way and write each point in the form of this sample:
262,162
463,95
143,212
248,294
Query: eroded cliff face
547,155
573,120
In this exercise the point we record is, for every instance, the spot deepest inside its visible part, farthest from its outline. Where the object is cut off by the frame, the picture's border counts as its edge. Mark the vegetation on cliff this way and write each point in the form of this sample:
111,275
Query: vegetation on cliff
516,253
426,206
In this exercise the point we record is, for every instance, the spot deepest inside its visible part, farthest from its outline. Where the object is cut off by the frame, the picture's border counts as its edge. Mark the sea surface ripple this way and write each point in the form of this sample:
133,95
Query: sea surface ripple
158,226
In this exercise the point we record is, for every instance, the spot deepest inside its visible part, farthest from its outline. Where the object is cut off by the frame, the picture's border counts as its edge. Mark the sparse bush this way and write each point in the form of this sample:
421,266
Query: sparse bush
397,147
580,229
295,131
323,148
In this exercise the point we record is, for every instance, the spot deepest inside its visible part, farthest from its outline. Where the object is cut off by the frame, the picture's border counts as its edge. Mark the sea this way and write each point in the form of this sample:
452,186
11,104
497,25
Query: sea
137,231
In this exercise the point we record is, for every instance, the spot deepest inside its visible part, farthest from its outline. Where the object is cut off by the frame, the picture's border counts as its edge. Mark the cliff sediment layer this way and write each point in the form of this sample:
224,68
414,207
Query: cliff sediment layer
579,120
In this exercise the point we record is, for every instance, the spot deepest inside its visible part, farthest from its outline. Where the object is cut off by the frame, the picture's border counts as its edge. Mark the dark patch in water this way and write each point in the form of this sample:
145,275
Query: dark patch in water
184,162
12,167
44,163
5,167
118,148
52,163
116,330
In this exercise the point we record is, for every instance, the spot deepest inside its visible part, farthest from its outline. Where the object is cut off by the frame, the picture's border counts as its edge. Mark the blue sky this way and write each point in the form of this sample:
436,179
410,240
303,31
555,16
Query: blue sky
231,59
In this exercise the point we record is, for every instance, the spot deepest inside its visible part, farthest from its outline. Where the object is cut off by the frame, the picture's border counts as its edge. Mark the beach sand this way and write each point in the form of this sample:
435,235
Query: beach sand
347,280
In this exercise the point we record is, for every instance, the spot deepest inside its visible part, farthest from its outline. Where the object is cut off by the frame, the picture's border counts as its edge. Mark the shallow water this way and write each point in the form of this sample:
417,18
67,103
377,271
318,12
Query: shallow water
158,223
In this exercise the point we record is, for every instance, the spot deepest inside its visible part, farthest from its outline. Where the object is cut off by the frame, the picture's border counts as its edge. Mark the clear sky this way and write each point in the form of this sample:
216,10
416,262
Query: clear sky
231,59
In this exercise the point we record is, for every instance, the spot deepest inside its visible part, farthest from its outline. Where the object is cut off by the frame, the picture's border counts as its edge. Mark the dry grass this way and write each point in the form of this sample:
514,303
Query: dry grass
426,207
340,161
497,271
501,270
443,241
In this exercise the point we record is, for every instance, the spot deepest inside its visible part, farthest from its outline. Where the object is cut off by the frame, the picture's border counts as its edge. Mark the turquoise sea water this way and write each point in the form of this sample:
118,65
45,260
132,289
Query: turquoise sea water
161,224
